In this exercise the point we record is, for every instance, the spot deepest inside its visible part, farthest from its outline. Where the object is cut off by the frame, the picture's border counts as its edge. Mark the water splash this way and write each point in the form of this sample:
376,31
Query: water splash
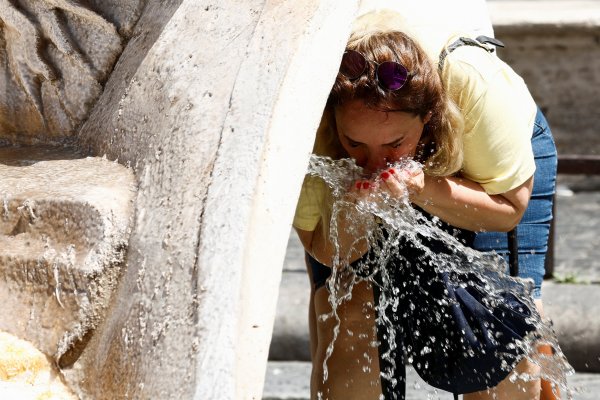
386,223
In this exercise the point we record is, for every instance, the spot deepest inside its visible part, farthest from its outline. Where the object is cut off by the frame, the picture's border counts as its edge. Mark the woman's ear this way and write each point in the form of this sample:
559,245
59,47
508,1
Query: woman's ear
427,117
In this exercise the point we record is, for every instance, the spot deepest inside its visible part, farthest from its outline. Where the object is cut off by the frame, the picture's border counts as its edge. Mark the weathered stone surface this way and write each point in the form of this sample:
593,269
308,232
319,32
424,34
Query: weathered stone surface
54,57
28,374
217,117
555,47
63,231
577,221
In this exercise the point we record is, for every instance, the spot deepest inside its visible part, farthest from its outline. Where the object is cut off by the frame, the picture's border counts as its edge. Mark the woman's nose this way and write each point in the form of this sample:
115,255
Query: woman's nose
376,163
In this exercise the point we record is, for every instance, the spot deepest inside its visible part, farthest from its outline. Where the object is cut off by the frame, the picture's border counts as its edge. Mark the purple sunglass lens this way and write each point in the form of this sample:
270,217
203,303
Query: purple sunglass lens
353,64
391,75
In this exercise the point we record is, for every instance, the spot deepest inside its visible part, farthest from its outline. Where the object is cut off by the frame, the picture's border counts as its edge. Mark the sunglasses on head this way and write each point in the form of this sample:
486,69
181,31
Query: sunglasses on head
390,75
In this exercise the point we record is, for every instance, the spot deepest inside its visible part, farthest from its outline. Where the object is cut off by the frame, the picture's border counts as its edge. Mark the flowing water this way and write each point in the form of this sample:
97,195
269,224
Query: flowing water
407,307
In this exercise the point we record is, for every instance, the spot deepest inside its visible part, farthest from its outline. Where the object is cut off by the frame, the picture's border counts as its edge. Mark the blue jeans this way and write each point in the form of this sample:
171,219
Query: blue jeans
534,228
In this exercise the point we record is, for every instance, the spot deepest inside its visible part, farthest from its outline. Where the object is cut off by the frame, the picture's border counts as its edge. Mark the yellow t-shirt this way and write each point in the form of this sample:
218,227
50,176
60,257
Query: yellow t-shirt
312,205
499,115
315,200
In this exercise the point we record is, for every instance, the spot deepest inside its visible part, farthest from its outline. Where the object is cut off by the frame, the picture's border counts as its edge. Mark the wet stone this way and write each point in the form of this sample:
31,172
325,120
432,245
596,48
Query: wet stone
64,224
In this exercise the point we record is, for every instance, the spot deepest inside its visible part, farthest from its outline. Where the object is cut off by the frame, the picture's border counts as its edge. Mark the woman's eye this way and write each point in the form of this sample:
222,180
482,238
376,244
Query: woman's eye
353,144
396,145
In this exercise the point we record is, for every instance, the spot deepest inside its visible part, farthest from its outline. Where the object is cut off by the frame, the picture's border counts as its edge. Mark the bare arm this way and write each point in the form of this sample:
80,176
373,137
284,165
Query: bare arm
318,245
464,203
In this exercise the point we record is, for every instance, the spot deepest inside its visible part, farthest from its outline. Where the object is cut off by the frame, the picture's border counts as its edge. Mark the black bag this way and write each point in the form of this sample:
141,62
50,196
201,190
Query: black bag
459,335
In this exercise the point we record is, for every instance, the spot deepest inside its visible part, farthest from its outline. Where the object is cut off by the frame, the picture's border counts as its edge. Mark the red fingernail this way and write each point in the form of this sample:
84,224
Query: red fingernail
392,171
358,184
365,185
385,175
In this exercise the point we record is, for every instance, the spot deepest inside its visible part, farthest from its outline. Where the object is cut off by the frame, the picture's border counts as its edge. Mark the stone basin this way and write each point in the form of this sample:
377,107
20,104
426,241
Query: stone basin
63,233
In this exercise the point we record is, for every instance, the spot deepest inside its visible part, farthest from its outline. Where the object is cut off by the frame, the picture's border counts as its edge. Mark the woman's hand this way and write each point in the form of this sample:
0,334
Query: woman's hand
352,222
397,182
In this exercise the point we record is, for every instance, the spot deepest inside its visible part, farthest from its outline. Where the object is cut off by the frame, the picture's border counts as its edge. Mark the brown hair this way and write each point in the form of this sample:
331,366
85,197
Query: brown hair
441,143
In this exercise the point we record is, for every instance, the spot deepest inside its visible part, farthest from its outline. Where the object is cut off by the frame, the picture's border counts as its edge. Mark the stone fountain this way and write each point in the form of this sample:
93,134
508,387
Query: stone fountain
152,154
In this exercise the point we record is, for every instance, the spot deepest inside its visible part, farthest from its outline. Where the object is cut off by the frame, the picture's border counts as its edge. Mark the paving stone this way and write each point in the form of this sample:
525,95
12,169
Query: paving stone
291,380
577,230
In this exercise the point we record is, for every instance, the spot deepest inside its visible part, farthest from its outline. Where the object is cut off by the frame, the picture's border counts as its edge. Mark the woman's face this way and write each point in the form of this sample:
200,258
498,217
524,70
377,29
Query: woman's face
374,138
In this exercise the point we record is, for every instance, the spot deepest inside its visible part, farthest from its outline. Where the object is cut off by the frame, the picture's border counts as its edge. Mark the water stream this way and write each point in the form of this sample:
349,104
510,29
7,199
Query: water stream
389,224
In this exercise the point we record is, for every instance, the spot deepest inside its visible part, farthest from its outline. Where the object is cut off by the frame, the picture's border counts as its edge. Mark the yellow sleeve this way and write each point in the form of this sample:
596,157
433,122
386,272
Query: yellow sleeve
315,199
499,114
309,210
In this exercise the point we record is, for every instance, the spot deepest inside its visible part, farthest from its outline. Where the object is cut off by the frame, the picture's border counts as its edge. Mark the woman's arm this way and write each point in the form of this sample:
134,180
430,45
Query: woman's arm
352,246
464,203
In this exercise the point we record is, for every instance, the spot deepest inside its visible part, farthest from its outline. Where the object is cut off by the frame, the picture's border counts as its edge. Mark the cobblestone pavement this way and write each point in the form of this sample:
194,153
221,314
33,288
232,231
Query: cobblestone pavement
577,229
290,381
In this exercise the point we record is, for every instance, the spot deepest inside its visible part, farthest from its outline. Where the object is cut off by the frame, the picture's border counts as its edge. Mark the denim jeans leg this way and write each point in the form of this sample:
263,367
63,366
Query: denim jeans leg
534,229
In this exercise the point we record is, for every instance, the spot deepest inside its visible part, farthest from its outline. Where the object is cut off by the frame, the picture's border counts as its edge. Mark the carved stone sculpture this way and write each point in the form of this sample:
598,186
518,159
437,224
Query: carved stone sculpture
203,106
55,56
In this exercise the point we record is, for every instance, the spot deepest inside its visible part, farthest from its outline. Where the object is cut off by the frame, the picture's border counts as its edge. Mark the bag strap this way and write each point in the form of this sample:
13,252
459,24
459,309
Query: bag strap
480,41
484,42
513,252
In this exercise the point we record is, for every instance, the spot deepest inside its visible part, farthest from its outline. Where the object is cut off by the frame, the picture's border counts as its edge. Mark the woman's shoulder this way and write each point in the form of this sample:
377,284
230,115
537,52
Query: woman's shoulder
475,77
466,76
478,68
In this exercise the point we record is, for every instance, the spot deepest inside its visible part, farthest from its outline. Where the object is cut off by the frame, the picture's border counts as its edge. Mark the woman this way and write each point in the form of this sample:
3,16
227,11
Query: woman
477,176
